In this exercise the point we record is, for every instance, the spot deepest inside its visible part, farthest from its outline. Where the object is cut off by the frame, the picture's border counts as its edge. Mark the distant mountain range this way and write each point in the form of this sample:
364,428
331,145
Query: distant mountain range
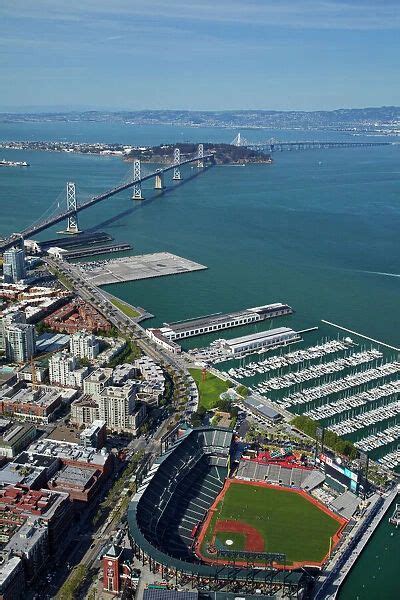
364,118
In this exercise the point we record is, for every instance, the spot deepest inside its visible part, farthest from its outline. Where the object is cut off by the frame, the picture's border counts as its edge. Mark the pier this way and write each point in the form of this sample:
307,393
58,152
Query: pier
332,579
218,321
107,249
135,268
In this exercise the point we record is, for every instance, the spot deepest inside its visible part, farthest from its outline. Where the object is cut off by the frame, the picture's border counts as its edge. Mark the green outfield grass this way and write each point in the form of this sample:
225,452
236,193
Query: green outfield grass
210,389
287,522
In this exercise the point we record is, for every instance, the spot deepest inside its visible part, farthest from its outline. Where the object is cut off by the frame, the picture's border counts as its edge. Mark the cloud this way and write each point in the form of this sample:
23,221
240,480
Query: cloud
305,14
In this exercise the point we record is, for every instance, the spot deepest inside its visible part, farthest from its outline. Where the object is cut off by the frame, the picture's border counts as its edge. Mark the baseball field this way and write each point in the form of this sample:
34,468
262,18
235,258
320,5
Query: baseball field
257,517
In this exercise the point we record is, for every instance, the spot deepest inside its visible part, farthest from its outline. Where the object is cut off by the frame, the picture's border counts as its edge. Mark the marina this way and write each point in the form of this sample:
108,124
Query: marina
372,417
376,440
349,404
350,387
391,460
354,380
317,371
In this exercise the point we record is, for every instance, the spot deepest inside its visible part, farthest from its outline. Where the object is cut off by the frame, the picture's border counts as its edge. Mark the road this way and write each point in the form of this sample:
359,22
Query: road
122,322
149,445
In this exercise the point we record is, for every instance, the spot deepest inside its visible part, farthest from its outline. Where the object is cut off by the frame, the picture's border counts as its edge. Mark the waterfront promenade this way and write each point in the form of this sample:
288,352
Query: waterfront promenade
330,582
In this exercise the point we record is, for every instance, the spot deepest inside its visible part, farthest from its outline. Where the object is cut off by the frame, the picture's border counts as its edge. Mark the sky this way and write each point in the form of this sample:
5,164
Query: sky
205,55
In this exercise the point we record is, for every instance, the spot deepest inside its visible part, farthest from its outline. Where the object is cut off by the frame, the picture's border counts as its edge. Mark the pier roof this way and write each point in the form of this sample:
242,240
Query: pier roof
209,320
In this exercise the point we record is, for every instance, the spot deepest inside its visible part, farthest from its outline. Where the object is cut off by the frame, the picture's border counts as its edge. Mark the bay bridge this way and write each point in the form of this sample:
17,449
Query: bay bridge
273,145
70,211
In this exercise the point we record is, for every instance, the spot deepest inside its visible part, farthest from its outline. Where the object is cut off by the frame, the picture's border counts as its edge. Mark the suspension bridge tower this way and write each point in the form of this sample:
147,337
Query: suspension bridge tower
177,162
72,223
200,154
137,188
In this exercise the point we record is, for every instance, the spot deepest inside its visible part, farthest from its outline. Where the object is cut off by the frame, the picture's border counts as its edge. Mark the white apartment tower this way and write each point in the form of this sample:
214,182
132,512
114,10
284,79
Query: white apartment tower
20,342
8,319
116,406
61,368
84,345
14,268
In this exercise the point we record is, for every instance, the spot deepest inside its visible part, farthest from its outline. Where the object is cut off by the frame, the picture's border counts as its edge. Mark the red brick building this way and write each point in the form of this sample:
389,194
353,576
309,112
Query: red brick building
117,569
75,316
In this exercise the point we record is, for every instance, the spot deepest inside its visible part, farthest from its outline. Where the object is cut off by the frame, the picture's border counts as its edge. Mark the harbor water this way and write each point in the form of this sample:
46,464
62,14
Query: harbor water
317,229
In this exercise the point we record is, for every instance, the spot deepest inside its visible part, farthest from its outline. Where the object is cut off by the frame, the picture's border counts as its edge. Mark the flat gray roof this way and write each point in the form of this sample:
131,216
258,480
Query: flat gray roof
259,336
346,504
215,319
261,407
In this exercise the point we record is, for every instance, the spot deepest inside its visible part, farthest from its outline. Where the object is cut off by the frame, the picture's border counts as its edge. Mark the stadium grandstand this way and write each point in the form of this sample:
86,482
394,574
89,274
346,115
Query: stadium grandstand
172,501
295,477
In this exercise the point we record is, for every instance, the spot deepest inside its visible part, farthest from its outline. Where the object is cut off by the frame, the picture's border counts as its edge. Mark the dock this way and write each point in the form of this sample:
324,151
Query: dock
332,578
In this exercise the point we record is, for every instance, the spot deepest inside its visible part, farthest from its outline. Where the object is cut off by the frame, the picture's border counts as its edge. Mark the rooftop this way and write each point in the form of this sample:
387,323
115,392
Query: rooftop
67,452
74,477
27,536
14,473
261,407
218,318
7,568
270,333
15,433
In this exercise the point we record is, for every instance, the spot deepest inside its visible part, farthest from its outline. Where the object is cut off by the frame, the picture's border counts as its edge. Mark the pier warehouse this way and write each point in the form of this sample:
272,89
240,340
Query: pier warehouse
217,322
260,341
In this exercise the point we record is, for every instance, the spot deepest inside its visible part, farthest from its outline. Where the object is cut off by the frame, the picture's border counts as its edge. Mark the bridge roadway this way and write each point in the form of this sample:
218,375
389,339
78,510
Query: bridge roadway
306,145
37,228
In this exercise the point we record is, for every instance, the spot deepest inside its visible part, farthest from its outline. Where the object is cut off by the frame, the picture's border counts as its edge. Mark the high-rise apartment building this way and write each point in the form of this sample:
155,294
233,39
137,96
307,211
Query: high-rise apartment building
84,345
20,342
9,318
116,406
14,268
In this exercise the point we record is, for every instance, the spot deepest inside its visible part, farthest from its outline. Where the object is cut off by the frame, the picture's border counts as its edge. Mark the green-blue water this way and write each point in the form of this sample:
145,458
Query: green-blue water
317,229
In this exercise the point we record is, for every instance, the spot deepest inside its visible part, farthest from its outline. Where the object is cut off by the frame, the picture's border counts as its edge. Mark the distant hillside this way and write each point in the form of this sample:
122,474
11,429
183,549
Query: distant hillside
364,118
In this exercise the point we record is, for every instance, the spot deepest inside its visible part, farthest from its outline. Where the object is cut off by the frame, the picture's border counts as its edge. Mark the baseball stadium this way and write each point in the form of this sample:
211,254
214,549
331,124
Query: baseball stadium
198,516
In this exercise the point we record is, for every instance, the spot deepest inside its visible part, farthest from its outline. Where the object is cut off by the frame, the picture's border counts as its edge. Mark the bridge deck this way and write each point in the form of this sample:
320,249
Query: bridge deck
37,228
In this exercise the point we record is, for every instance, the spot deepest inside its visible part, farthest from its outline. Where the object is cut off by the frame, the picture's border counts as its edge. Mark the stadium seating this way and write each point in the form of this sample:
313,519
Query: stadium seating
274,473
183,484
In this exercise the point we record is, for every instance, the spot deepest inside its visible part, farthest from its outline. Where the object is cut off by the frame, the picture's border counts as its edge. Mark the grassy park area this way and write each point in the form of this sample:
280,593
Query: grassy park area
210,387
128,310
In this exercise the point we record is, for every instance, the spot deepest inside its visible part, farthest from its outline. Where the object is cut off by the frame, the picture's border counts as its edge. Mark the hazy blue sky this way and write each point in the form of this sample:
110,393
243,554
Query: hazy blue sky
205,54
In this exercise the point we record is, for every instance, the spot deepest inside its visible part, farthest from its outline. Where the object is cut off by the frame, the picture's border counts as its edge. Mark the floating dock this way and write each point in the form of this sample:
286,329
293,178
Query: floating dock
219,321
